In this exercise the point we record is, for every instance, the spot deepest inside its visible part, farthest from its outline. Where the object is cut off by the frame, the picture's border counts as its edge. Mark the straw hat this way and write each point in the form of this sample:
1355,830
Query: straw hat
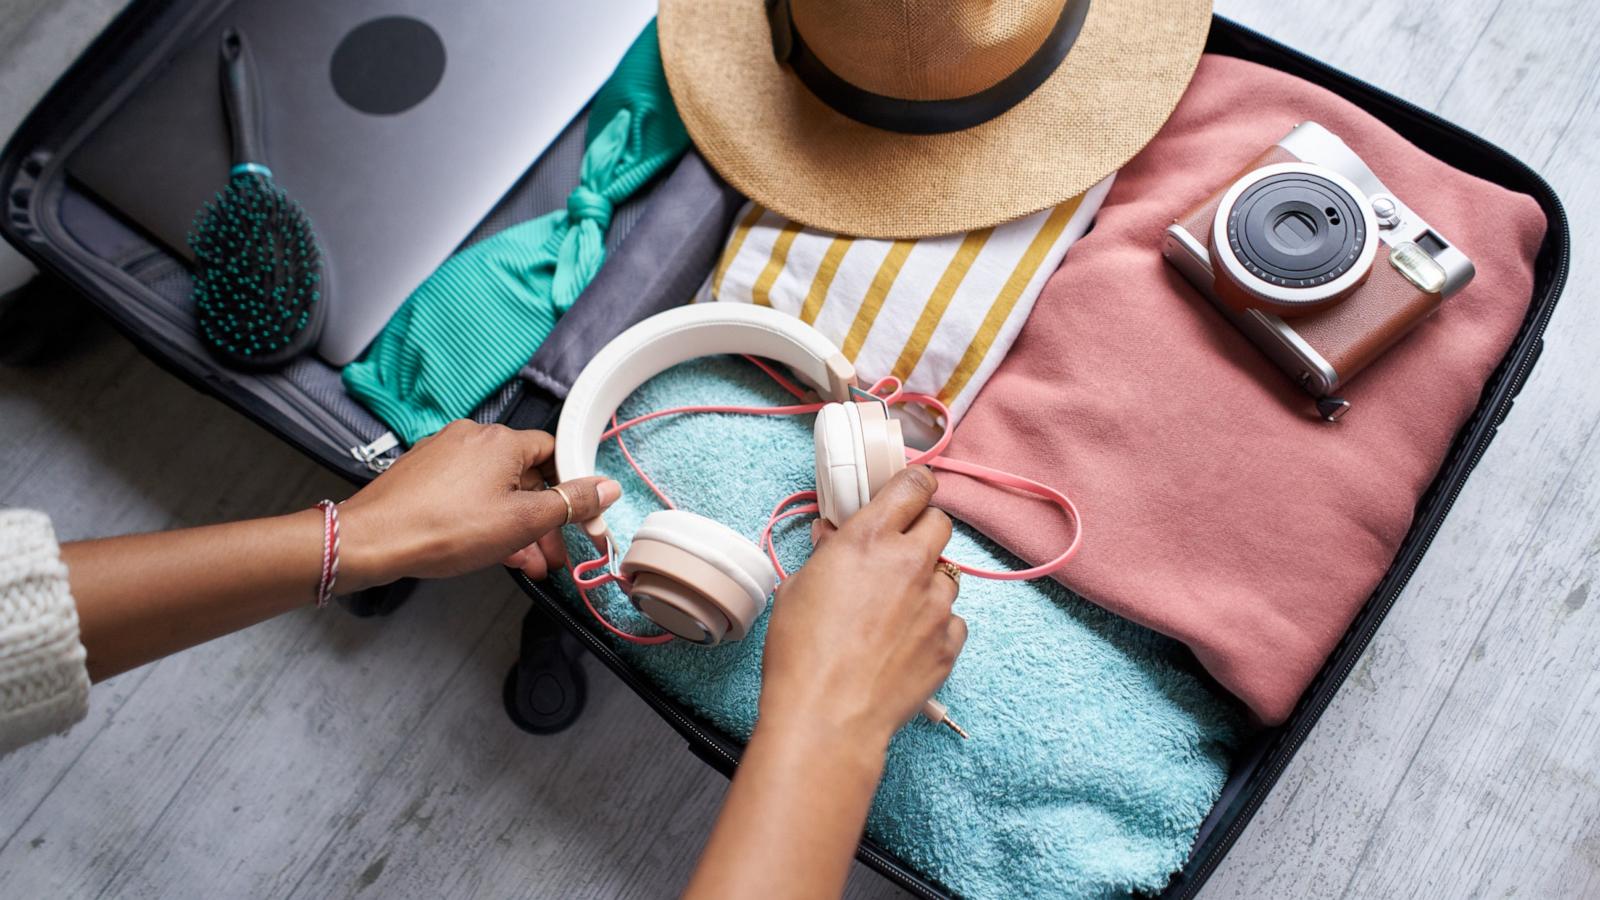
908,118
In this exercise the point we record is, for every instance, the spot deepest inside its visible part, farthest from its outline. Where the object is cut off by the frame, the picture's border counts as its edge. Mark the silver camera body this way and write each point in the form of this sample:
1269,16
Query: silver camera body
1397,226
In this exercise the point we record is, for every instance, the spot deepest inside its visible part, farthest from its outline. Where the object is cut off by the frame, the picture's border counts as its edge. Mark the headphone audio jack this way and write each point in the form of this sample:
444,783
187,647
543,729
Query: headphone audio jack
939,714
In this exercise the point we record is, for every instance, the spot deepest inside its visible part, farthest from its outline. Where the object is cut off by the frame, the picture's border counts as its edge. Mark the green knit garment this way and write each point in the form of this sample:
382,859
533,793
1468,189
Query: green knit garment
479,317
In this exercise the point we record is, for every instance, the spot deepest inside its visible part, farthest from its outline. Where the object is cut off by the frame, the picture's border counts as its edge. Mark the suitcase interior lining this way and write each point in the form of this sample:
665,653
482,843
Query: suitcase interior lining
309,391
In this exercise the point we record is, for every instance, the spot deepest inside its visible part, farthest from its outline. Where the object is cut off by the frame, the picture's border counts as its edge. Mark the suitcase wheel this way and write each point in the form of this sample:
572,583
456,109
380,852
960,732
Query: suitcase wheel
546,688
40,321
379,601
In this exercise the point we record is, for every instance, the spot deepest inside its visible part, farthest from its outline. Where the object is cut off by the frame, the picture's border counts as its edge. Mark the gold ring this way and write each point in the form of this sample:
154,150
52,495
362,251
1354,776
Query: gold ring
949,568
563,495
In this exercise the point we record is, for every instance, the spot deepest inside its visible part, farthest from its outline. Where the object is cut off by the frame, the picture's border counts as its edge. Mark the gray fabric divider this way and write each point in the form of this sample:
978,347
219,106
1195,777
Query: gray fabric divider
666,257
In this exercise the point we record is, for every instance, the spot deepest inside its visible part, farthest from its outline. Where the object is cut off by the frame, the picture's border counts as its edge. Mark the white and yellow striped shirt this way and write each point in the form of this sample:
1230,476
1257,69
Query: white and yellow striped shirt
939,313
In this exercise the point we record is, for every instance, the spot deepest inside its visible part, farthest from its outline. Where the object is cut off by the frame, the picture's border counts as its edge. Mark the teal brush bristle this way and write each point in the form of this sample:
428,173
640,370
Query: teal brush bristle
257,283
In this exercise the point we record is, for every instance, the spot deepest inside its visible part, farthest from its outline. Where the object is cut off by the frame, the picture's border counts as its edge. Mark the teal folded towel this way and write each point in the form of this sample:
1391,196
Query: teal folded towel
468,329
1096,749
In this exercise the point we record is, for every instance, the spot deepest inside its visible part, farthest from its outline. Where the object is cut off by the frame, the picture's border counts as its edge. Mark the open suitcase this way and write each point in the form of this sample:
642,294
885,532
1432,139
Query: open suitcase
664,242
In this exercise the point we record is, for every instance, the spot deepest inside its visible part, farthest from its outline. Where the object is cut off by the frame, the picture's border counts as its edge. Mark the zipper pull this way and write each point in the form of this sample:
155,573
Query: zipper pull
372,455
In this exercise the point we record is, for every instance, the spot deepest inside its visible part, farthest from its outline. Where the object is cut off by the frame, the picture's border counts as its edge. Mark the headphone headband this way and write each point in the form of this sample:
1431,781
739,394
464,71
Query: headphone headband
676,336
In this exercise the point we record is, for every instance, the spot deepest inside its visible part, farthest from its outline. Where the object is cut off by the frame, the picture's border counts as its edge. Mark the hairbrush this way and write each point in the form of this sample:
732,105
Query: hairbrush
258,278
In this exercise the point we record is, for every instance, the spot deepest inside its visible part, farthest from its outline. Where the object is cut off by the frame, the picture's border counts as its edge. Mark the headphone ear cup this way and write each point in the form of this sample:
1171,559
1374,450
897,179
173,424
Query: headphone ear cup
883,446
841,478
859,448
697,578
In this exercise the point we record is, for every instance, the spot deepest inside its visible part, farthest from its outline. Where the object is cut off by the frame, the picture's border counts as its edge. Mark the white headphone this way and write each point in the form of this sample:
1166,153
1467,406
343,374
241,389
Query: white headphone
695,577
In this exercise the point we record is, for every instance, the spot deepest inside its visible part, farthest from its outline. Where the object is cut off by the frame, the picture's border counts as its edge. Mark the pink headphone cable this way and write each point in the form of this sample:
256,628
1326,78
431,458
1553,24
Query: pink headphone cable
961,467
930,457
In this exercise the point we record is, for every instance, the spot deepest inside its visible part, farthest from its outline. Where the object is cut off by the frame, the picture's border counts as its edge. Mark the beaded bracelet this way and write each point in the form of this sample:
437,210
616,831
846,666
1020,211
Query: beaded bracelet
330,552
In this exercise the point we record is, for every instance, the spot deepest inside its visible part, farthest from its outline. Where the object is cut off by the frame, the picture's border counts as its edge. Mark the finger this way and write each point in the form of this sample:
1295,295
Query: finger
930,531
942,591
821,530
955,636
539,459
547,467
536,447
533,480
531,561
554,549
900,501
547,510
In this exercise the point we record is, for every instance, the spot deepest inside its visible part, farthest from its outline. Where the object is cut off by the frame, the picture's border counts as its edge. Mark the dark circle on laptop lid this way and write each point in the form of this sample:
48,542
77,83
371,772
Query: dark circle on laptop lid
388,65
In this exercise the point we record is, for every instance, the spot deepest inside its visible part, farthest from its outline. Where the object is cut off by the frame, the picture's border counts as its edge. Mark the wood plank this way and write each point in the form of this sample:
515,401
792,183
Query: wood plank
309,740
206,727
614,807
1410,49
94,456
38,38
251,742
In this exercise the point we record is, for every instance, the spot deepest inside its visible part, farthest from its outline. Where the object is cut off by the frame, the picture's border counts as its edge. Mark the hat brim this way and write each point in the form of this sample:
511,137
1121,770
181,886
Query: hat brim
763,131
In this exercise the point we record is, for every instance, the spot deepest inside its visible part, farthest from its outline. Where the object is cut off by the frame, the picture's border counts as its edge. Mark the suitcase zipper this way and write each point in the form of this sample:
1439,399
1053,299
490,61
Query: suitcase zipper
372,455
1530,339
336,431
685,726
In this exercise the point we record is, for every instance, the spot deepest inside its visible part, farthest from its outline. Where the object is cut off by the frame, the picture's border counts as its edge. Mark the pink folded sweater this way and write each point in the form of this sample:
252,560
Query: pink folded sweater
1218,509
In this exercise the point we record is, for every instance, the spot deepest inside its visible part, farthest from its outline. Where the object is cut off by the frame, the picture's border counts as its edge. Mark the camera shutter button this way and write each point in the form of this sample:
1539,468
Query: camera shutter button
1386,212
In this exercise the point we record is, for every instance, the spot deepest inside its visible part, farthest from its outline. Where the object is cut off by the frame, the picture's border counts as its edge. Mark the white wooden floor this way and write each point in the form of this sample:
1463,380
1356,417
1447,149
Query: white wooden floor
320,755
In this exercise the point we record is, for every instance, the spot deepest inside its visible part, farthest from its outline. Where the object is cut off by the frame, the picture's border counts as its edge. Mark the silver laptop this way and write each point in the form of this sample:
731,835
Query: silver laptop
397,125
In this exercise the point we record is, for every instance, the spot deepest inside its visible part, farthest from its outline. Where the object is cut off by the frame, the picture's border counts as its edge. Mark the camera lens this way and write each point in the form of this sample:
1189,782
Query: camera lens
1296,230
1291,239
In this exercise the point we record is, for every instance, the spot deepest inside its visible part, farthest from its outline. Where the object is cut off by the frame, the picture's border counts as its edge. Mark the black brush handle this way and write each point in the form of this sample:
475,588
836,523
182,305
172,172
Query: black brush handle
240,98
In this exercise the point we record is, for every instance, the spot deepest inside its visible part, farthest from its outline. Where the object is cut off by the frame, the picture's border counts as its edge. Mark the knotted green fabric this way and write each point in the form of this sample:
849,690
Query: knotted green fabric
478,318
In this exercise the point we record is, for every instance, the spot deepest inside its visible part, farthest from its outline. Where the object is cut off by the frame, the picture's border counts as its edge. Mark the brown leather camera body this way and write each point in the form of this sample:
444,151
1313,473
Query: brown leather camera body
1350,332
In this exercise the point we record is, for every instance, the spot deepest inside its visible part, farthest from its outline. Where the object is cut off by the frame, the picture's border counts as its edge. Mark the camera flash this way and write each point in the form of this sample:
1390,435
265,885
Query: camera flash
1417,266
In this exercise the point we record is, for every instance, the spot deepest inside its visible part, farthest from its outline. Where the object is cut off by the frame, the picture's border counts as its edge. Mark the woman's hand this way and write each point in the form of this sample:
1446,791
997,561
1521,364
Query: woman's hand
467,497
464,498
860,637
863,634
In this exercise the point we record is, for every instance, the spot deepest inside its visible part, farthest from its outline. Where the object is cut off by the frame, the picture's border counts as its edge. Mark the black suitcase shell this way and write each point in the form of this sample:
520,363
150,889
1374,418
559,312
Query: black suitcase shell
34,188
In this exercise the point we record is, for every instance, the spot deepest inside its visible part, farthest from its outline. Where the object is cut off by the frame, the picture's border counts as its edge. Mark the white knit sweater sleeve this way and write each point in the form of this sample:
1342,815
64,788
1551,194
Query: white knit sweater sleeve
44,683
